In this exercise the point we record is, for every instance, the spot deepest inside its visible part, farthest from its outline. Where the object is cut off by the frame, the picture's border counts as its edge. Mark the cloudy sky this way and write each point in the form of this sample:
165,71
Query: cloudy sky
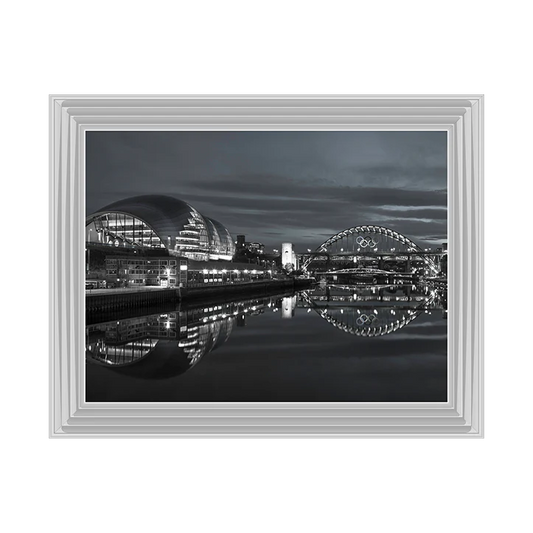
300,187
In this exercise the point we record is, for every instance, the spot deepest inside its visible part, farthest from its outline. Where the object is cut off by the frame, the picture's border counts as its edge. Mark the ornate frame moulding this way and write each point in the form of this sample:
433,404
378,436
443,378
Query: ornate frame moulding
460,115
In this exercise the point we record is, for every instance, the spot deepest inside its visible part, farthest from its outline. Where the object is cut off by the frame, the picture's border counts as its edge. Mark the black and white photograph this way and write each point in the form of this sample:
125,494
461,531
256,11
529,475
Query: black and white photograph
266,266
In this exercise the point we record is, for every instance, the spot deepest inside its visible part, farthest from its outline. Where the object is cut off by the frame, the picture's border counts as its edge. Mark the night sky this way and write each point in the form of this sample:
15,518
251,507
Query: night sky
300,187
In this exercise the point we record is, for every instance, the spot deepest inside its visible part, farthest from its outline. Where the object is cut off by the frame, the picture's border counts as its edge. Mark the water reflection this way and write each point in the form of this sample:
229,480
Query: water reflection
164,345
374,311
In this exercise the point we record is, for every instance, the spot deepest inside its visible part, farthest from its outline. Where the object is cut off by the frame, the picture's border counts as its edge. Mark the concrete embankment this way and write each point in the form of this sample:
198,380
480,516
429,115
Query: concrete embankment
107,303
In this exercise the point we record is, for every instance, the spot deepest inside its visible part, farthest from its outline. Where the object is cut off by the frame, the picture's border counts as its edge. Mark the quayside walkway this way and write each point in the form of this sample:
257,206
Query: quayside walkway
105,300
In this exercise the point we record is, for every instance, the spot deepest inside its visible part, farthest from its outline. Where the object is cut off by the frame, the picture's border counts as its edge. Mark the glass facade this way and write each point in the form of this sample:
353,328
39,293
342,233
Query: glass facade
121,230
221,245
193,240
160,222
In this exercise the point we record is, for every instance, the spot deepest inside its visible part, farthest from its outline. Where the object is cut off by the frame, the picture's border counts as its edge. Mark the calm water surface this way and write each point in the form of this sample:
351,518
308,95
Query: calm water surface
335,344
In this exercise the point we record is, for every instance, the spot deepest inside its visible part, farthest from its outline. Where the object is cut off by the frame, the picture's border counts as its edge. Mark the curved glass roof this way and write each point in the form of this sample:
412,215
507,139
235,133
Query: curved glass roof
179,226
166,215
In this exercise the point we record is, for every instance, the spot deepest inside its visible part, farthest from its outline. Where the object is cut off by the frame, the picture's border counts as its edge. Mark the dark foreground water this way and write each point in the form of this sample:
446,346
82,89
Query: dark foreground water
330,345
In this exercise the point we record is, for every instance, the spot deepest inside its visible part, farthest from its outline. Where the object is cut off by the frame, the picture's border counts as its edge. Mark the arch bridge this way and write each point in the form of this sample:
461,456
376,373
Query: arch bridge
370,241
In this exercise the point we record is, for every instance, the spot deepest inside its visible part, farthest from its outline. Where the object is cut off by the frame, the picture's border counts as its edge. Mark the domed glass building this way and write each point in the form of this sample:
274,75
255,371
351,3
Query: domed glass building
155,222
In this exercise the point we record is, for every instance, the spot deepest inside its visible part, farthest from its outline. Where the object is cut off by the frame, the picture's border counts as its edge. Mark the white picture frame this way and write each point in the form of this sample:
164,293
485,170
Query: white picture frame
71,116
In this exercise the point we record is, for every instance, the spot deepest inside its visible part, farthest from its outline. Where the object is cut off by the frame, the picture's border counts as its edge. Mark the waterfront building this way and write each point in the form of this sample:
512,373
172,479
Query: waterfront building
172,272
252,247
157,222
255,247
134,271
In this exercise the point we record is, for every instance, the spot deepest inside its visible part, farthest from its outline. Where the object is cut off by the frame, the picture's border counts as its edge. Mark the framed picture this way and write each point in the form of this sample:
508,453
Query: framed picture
266,266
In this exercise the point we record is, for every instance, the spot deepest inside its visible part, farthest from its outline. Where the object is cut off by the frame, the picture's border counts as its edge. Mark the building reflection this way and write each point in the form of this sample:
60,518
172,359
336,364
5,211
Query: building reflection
167,344
288,306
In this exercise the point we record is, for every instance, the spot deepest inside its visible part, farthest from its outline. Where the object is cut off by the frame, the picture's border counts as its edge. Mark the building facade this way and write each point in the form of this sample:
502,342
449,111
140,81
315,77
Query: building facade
289,260
172,272
133,271
160,222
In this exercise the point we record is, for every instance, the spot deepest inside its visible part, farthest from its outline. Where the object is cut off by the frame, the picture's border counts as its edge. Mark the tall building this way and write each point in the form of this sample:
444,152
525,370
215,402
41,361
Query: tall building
288,257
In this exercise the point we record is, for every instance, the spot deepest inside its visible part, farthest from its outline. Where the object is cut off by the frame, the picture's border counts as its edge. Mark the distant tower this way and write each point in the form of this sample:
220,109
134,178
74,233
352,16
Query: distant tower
287,254
241,239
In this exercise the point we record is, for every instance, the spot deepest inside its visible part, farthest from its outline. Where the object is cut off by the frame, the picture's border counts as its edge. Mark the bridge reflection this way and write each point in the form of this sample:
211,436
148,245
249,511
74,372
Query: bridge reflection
164,345
374,311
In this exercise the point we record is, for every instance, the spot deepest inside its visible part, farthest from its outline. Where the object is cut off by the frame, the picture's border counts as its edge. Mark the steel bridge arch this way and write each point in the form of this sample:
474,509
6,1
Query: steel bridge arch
377,230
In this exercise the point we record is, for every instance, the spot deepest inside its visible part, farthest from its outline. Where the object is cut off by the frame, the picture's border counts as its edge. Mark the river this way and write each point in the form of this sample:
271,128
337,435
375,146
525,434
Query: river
332,344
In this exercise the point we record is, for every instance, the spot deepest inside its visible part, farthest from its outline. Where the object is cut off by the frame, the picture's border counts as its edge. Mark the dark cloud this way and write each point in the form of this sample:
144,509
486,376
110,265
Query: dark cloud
274,186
